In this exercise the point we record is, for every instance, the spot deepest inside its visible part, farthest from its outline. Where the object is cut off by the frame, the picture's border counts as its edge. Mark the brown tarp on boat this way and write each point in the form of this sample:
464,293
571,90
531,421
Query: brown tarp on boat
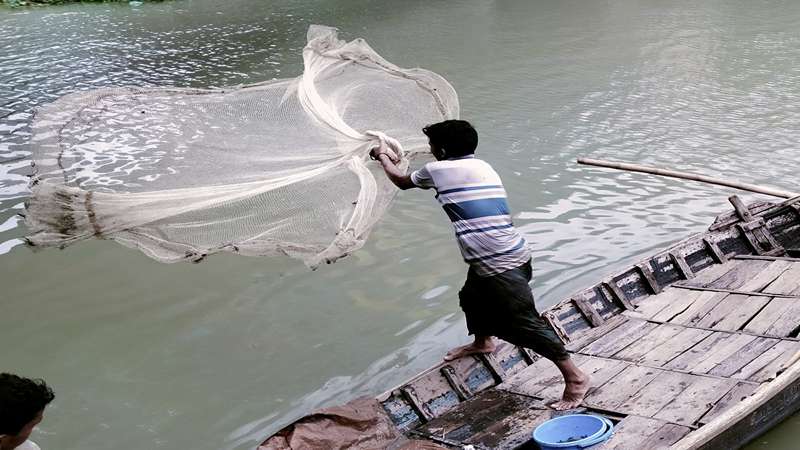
361,424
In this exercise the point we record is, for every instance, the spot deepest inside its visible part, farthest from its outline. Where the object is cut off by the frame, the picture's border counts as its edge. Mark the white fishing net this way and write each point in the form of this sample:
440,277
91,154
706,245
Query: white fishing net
279,167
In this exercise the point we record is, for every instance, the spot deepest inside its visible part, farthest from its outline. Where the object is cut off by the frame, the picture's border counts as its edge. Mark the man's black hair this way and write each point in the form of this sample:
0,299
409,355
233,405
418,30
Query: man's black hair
455,138
21,399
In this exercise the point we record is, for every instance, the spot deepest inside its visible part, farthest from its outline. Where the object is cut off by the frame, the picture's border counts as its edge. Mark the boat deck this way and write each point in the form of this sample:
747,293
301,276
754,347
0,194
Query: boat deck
670,345
678,360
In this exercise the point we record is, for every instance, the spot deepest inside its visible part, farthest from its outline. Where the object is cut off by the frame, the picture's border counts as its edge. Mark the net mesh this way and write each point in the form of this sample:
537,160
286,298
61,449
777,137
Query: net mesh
279,167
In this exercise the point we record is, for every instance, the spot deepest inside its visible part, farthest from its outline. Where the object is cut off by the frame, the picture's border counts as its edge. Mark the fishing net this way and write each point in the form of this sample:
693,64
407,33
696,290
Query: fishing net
279,167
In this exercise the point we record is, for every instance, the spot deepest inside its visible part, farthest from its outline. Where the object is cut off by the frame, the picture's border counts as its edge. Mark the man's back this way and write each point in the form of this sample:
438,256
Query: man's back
473,196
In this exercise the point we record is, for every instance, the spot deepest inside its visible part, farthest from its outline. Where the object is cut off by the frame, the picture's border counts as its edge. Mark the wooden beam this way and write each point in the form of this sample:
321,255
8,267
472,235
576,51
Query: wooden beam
458,385
732,291
410,396
617,295
681,265
494,367
648,277
767,258
592,316
716,253
741,209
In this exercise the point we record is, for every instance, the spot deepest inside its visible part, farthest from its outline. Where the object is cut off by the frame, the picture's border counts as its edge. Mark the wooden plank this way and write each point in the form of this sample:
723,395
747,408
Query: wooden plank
681,266
743,309
787,283
411,397
679,305
599,370
695,401
672,348
494,367
716,253
629,433
738,393
508,431
694,355
787,323
768,258
722,352
648,278
712,273
621,387
618,338
652,305
473,373
766,276
665,436
652,340
702,305
744,356
782,349
768,315
534,378
585,337
588,311
778,365
655,395
739,275
730,291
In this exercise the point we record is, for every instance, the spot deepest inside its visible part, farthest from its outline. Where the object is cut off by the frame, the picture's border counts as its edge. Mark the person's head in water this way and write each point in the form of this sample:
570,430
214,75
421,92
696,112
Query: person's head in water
451,139
22,403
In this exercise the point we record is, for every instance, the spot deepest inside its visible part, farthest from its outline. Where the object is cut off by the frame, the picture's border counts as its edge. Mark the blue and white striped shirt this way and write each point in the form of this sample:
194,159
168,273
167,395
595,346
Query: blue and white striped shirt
472,195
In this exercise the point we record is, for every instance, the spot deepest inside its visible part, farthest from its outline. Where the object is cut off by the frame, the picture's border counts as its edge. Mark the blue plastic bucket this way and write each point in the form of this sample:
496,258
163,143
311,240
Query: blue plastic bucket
573,432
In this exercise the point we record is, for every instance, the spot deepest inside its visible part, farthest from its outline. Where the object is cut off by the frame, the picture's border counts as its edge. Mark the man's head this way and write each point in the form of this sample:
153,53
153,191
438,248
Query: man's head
22,403
451,139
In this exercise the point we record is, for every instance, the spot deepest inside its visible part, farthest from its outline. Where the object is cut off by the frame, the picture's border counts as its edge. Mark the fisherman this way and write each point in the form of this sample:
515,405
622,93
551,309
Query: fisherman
496,297
22,403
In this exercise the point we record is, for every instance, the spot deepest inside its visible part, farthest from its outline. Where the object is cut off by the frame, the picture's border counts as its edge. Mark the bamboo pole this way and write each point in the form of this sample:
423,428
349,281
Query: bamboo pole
688,176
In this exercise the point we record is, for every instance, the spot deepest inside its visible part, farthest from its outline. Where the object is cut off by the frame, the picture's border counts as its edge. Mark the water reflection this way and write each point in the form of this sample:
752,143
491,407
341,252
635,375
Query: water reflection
217,355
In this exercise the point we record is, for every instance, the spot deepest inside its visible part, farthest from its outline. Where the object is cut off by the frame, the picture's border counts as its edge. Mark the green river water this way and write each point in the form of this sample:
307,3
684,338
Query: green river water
218,355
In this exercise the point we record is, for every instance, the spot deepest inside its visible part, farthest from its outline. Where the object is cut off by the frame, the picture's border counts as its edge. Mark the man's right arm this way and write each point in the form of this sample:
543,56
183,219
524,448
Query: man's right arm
395,175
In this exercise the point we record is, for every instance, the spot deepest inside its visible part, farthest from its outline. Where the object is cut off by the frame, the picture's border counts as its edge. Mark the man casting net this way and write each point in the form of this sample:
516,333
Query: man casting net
279,167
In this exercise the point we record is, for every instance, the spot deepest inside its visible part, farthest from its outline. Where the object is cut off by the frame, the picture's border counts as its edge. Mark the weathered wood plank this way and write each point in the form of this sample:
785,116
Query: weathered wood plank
744,356
534,378
473,373
722,352
738,393
665,436
618,338
648,278
702,305
621,387
617,295
766,276
782,349
630,432
778,365
461,389
739,275
713,273
652,305
600,370
787,283
672,348
768,315
694,401
731,291
698,352
679,305
508,431
585,337
647,343
742,309
787,322
655,395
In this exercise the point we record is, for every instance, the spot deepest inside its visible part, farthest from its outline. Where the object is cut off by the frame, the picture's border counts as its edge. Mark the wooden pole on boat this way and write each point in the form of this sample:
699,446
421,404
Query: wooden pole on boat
688,176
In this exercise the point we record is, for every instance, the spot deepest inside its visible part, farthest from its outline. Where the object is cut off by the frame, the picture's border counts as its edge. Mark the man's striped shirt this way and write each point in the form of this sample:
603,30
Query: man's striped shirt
472,195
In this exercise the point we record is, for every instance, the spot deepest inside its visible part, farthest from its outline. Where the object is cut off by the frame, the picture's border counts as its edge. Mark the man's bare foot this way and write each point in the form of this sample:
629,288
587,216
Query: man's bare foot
574,392
474,348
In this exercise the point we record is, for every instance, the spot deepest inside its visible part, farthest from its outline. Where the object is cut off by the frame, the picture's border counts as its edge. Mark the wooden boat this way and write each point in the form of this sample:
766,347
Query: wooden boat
695,347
